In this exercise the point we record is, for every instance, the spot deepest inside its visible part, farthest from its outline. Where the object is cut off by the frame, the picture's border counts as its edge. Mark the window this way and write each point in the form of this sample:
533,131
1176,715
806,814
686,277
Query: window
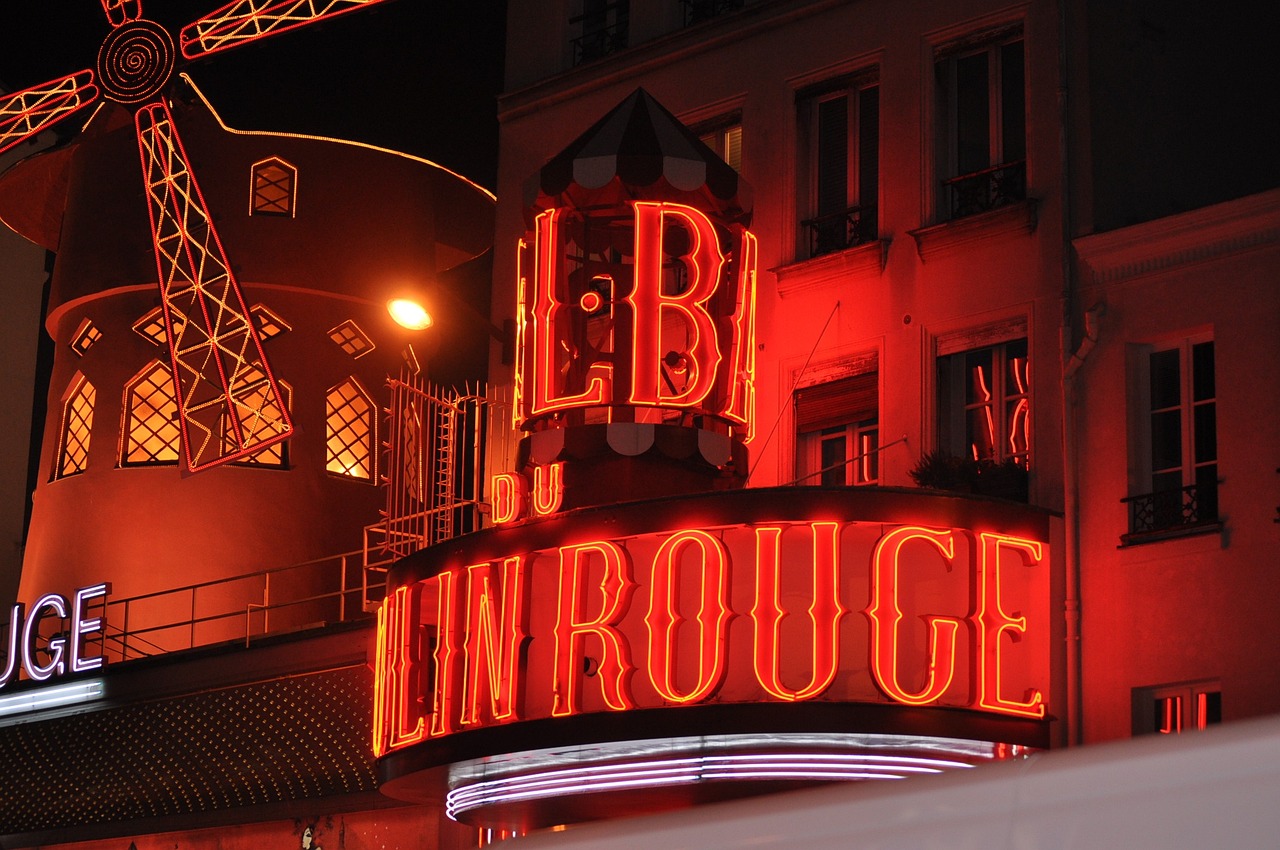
274,187
151,433
257,414
77,425
85,337
838,432
1174,709
982,112
984,409
351,339
697,11
351,431
1177,439
726,141
840,151
603,27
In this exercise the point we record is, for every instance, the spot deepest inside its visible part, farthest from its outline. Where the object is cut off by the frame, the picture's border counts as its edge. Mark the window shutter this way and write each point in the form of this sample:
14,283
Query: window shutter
852,399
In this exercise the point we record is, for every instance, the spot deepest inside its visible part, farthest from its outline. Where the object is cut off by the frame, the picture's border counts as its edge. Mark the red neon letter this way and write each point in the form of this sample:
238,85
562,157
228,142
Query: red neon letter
509,489
547,303
495,635
742,379
398,719
446,654
713,614
651,306
992,622
548,488
824,613
572,627
886,616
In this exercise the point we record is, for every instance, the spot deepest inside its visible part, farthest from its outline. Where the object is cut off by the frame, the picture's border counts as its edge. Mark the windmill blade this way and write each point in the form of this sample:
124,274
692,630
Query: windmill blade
229,405
120,12
25,113
244,21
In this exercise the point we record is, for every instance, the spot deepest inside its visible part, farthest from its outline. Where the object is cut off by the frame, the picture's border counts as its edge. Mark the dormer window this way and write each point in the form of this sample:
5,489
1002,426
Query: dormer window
274,190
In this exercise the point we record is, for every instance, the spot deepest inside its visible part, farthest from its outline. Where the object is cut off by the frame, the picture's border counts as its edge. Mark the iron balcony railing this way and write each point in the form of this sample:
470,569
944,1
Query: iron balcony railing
987,189
1173,510
840,230
697,11
604,31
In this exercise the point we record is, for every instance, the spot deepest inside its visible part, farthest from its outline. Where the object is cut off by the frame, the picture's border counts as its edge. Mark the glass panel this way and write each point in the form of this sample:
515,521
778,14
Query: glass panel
832,454
978,368
1017,419
1012,97
981,432
973,136
1166,440
833,156
869,465
868,146
1202,371
1210,705
1168,715
733,147
1206,432
1166,383
1017,373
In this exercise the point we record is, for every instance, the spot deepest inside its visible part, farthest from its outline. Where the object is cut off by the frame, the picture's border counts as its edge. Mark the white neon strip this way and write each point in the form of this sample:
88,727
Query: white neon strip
51,697
755,766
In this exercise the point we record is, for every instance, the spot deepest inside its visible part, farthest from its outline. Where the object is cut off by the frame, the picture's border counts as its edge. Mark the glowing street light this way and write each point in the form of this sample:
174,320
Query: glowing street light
409,314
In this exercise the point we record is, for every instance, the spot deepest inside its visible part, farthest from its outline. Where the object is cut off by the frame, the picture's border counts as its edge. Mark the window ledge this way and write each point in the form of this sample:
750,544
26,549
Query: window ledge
938,240
1144,537
860,263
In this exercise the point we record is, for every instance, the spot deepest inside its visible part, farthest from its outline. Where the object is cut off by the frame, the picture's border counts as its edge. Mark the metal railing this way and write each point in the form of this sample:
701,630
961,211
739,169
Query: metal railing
1170,510
604,31
987,189
840,230
697,11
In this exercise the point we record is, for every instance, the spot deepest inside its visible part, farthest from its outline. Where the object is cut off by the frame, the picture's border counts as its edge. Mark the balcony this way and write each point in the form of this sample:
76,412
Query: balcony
604,31
988,189
697,11
840,230
1171,513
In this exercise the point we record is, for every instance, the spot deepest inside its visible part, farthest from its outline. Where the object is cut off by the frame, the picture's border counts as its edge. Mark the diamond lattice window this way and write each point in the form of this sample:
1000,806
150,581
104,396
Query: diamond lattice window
274,187
151,433
351,431
151,327
86,335
257,411
77,425
267,322
351,339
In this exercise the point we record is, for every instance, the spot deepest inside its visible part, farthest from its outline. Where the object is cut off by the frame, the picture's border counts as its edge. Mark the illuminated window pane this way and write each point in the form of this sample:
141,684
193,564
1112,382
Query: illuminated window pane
77,424
838,432
151,327
267,322
726,141
984,404
1174,709
351,431
258,413
151,433
86,335
351,339
274,187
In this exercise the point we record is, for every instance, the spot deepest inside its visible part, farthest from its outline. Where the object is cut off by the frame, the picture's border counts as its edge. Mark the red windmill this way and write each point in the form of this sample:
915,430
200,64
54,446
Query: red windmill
220,372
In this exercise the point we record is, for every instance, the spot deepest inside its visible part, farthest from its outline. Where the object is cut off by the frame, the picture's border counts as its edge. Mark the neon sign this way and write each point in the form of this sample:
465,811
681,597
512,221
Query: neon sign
788,611
673,328
65,652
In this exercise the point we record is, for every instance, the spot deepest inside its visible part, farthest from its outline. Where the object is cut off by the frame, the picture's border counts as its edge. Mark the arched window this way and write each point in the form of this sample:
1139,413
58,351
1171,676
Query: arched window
77,424
351,433
274,187
151,434
259,409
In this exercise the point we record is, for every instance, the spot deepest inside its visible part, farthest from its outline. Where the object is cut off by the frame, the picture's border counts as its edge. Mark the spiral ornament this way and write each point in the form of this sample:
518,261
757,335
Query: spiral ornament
135,61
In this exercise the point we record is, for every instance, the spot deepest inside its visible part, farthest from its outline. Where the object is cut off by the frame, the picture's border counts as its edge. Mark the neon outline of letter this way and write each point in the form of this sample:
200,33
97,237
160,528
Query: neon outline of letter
13,662
495,636
663,619
742,381
548,488
705,263
57,646
992,622
518,413
397,656
509,491
825,612
81,627
885,615
543,314
616,587
446,655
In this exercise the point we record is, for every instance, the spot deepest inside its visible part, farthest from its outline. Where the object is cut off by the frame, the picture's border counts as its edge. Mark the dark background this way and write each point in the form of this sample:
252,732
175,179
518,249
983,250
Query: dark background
418,76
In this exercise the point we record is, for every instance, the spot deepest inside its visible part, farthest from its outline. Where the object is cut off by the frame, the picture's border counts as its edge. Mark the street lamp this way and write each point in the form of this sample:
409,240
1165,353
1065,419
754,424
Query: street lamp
410,314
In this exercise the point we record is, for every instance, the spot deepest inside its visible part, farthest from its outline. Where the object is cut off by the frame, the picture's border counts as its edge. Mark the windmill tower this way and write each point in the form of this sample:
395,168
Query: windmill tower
217,307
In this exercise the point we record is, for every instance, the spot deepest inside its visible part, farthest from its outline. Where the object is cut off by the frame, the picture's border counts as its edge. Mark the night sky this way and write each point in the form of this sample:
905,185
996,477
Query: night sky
418,76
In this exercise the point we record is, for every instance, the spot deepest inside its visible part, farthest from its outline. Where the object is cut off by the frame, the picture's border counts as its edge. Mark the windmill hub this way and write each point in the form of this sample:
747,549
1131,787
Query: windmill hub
135,61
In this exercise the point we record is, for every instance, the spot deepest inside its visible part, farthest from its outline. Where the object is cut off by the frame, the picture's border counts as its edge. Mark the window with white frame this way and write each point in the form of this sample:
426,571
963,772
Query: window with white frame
725,138
838,432
1177,437
1174,709
984,403
982,140
840,163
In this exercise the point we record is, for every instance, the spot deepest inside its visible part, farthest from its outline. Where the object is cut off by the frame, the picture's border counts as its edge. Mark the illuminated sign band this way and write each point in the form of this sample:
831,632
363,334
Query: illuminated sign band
64,652
825,597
